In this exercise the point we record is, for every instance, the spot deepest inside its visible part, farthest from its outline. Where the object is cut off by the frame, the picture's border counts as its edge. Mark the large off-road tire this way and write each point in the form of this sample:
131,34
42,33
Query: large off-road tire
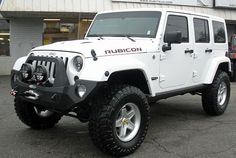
35,116
215,97
119,120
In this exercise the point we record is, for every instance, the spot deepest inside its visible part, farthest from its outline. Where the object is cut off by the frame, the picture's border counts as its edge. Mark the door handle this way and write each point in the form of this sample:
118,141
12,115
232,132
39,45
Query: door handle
208,51
189,51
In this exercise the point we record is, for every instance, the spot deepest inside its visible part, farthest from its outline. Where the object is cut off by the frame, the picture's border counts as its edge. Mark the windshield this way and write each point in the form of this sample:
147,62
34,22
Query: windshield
120,24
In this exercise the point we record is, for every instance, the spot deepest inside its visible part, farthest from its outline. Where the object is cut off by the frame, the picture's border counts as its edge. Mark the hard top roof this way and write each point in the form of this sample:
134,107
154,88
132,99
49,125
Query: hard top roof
165,10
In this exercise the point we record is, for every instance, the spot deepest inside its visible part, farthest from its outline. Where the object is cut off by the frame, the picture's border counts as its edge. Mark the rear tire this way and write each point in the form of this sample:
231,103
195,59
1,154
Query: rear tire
120,120
215,98
35,116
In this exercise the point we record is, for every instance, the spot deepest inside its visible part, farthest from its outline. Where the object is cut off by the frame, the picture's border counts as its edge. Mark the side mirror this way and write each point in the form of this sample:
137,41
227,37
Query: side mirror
172,37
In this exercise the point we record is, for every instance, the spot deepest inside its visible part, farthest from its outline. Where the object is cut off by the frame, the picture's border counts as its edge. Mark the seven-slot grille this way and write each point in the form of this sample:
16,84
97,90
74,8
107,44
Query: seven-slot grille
50,66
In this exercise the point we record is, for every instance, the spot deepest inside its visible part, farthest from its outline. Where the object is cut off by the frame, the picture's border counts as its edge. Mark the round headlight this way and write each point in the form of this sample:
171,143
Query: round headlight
40,73
78,63
26,71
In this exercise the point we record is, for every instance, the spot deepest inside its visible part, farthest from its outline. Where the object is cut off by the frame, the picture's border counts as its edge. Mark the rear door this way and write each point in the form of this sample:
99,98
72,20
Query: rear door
202,47
176,64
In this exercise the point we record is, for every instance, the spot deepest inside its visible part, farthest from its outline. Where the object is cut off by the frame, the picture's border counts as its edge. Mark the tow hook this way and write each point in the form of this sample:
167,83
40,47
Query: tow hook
13,92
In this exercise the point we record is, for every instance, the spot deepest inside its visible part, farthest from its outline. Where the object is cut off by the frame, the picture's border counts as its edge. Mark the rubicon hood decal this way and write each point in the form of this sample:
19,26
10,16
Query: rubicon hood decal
101,47
123,50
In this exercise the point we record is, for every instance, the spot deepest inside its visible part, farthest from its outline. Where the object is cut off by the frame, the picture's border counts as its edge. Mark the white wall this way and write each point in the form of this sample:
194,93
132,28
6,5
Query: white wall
25,34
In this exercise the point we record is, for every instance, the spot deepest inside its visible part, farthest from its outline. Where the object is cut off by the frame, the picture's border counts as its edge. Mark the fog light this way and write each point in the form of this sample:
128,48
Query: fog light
26,71
81,90
41,74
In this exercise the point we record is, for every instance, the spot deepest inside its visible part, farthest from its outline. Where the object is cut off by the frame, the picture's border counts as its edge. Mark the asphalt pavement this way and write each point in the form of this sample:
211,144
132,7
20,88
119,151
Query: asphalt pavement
179,129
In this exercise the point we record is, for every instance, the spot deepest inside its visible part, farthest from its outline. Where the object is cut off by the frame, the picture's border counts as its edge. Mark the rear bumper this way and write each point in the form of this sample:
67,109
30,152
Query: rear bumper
61,98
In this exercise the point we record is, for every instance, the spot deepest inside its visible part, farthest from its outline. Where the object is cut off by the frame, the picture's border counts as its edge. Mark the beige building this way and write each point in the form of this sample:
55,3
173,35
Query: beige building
25,24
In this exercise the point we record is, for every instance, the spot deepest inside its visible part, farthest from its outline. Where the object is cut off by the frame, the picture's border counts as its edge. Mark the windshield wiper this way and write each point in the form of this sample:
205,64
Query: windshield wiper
129,37
97,35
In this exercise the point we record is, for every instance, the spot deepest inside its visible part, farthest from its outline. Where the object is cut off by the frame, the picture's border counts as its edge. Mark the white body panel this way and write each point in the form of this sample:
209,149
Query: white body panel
19,63
212,66
174,69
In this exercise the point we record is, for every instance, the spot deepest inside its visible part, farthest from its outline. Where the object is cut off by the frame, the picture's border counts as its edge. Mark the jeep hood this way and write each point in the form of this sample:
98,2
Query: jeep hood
101,47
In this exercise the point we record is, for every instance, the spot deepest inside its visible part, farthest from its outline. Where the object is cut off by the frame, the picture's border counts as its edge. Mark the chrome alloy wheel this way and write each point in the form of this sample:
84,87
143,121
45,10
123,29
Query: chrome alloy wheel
42,113
128,122
222,94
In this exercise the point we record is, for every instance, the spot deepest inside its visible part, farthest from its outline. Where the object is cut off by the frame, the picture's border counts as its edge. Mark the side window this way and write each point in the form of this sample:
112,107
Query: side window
201,30
219,32
178,23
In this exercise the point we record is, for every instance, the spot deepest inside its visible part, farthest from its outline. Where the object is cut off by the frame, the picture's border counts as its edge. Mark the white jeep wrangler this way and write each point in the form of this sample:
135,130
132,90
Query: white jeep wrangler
127,58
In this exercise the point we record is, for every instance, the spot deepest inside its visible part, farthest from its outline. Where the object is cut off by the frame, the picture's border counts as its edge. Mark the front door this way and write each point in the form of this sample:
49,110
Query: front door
176,64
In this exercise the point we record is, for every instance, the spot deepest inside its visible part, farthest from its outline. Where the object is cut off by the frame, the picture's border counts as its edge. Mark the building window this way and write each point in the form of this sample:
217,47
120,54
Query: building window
83,27
201,30
4,37
56,30
178,23
219,32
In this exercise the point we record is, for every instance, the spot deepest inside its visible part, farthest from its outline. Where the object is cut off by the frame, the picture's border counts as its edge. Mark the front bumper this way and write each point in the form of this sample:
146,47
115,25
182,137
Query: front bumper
60,98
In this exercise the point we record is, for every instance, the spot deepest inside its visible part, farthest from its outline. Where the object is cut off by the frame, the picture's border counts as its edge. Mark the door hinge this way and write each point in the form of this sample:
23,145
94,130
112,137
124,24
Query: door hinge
162,78
195,74
195,56
162,57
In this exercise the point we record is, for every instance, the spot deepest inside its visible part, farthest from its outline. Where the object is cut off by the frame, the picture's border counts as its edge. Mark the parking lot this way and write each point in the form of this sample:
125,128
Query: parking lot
178,128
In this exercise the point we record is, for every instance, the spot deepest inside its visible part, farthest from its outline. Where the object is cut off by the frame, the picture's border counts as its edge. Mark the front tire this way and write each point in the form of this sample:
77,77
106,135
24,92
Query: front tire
215,98
119,121
35,116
